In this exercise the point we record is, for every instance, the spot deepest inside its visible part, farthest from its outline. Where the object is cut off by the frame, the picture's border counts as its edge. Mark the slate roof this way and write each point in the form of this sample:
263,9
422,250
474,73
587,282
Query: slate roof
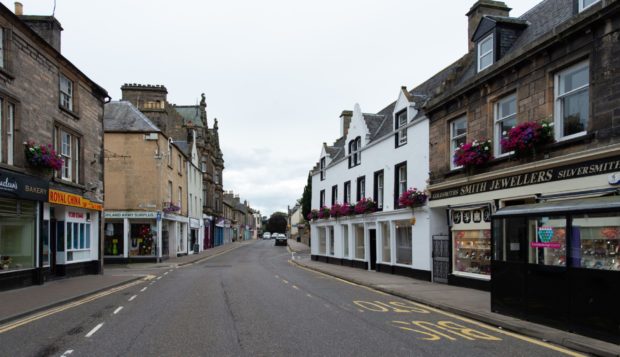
122,116
183,146
190,113
543,18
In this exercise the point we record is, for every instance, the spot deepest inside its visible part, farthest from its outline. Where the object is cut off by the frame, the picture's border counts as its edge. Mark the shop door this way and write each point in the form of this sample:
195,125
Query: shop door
441,258
372,233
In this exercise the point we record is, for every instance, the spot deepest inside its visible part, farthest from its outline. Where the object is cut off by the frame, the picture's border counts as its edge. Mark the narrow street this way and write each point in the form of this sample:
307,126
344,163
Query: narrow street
253,302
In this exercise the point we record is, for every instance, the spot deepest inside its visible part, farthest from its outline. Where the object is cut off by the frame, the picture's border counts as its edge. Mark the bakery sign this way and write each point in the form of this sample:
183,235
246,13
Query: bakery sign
17,185
560,173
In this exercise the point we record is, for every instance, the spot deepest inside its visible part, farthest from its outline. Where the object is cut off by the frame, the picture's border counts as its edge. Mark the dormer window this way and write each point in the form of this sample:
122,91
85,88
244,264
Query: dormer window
401,130
355,155
584,4
485,52
322,167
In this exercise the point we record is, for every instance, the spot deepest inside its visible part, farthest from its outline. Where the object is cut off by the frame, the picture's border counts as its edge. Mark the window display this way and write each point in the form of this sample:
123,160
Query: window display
17,235
142,240
472,250
403,243
114,238
596,241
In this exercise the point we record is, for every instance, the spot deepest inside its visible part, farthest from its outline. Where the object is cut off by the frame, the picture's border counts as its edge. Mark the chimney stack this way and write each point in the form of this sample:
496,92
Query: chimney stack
19,9
345,122
480,9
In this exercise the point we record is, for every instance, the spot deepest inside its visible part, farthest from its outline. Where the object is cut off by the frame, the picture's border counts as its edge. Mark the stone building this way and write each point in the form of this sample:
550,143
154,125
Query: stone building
552,250
50,202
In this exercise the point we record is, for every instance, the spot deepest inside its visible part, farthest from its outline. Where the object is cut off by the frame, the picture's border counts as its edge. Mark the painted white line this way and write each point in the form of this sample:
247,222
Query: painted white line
143,289
133,297
277,276
94,330
117,310
159,277
67,352
166,273
295,287
308,295
170,270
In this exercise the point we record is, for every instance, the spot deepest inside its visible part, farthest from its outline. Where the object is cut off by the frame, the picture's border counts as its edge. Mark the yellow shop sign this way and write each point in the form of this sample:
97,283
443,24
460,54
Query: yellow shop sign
70,199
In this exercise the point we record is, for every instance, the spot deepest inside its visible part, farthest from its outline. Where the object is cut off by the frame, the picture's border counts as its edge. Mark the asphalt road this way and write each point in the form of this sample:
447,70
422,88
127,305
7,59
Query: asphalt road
253,302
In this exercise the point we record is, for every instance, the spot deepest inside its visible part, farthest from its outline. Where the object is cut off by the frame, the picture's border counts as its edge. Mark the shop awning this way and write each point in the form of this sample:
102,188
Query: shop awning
563,206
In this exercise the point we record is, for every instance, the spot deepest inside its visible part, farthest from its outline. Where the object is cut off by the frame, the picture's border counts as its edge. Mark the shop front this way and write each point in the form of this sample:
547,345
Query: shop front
73,222
131,236
209,227
174,229
468,205
558,263
194,242
24,244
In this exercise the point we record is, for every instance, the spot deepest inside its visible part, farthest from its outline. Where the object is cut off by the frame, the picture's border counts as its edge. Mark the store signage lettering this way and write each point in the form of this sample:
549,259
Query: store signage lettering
69,199
76,215
531,178
551,245
22,186
125,214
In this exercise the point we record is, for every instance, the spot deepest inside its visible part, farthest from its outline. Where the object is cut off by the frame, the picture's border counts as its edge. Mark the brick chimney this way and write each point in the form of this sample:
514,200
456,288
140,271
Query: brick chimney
45,26
480,9
345,122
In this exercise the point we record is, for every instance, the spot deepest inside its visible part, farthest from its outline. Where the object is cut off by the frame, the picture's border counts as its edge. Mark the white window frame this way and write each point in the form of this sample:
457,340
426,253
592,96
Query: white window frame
454,138
490,52
402,180
380,187
66,90
322,168
66,153
361,183
558,98
358,150
497,140
401,122
583,6
347,192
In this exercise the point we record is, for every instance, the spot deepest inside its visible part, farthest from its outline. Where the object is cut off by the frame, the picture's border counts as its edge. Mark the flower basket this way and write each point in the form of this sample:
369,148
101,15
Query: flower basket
341,210
42,156
473,154
526,137
313,215
324,212
170,207
365,205
412,198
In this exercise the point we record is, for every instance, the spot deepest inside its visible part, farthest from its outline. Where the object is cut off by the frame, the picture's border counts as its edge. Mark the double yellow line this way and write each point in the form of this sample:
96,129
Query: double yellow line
55,310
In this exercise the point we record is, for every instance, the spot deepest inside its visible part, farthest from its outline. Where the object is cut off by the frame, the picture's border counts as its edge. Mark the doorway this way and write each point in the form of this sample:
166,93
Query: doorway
372,235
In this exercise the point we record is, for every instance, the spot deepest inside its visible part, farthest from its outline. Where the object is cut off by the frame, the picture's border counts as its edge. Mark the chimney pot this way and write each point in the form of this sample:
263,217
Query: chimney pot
19,8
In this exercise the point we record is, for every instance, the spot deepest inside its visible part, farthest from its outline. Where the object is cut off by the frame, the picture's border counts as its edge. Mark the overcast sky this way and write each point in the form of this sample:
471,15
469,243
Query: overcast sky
276,73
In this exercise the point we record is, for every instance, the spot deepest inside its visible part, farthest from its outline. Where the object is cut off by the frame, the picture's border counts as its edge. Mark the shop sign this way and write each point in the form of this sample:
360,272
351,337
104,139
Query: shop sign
70,199
130,214
545,234
545,245
22,186
588,168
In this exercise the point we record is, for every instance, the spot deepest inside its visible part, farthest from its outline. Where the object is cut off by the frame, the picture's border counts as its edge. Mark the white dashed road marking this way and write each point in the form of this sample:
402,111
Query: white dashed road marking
159,277
143,289
67,352
92,332
295,287
133,297
117,310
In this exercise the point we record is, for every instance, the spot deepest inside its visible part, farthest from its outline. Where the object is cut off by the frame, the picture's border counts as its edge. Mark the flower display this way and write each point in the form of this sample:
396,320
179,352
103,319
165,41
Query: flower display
340,210
525,137
313,215
365,205
43,156
324,212
170,207
412,198
473,154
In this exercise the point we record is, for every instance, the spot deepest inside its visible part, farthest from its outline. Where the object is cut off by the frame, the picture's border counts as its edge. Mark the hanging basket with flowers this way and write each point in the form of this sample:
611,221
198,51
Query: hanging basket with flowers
526,137
412,198
313,215
42,156
365,205
324,212
473,154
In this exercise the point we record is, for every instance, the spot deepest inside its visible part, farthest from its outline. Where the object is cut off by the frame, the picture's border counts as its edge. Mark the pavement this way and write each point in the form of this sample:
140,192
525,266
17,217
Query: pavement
19,303
470,303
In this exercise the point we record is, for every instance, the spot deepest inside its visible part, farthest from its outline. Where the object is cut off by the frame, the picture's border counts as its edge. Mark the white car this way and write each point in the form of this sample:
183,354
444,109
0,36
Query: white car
280,239
266,235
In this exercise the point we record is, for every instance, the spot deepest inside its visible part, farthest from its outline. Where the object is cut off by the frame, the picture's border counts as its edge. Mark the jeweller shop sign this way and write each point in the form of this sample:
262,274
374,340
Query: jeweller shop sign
584,169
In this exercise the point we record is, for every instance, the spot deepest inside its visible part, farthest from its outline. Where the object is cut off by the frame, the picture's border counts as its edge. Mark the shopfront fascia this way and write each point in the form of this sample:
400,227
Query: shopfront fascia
558,263
468,206
132,236
24,245
74,226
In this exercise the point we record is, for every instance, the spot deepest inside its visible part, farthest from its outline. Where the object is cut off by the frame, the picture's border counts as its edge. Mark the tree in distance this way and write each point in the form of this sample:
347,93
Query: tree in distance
277,223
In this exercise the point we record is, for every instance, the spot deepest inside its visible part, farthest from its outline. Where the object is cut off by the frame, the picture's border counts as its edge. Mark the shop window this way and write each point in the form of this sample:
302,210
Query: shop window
596,241
510,233
17,235
505,119
386,243
572,104
114,240
331,240
142,240
472,250
322,241
77,236
547,241
359,242
345,240
403,243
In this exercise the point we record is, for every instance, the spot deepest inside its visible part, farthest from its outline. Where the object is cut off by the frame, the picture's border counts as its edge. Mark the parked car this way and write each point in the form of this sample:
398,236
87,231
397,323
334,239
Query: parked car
280,239
266,235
